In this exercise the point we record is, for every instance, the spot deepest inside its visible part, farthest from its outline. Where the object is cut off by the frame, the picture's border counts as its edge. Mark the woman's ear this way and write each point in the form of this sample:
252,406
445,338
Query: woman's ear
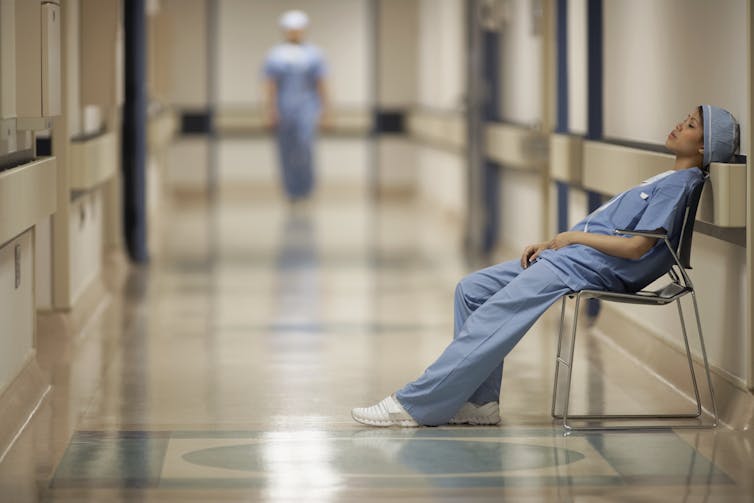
701,151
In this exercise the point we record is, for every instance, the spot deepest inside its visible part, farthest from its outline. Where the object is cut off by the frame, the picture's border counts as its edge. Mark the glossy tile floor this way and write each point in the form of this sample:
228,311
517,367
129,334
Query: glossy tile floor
226,371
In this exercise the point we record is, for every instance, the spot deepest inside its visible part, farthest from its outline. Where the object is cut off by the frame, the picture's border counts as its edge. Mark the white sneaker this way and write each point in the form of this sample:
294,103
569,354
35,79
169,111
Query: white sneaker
483,415
386,413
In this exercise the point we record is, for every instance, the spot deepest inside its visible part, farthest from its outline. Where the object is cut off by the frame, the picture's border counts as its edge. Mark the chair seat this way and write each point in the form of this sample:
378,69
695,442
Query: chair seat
661,296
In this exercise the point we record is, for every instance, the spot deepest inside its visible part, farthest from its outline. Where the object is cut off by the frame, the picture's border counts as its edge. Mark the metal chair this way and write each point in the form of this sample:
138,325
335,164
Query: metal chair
679,286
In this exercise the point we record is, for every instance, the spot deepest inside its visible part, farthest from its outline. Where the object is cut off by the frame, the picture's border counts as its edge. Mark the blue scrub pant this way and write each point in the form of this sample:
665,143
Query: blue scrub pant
494,308
296,145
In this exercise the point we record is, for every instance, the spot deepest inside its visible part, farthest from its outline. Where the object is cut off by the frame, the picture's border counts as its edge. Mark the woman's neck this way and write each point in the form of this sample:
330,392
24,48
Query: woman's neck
687,162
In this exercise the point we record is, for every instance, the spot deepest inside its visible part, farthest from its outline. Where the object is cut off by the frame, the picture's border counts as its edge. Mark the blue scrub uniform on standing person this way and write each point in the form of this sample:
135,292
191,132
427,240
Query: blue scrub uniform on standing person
296,70
496,306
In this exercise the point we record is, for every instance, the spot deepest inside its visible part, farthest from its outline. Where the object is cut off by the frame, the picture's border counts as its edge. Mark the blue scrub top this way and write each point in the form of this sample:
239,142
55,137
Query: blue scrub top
295,68
658,203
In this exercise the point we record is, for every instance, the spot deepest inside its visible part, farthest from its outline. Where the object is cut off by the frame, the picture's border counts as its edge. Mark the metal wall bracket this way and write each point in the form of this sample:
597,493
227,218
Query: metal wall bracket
18,266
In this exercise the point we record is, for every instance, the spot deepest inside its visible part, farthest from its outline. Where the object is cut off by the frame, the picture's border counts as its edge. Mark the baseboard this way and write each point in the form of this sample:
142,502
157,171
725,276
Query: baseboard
19,401
70,322
735,403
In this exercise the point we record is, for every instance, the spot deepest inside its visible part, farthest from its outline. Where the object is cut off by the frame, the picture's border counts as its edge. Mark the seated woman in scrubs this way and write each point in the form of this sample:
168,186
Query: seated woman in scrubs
496,306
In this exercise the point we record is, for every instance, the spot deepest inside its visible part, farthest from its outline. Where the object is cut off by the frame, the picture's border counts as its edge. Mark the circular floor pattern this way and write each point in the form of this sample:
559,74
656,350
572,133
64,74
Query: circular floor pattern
385,456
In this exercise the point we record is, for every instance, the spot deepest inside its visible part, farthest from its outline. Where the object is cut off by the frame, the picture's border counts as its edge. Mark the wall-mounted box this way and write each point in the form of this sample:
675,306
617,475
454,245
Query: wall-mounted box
441,128
7,59
92,161
161,130
18,209
566,158
516,146
37,59
101,58
723,201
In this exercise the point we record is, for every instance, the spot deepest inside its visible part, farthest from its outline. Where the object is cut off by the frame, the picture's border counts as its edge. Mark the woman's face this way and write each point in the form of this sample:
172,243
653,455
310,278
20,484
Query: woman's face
294,36
687,139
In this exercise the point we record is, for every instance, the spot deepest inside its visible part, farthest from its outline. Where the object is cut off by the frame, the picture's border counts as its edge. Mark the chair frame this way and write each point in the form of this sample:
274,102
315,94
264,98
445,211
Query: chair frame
678,288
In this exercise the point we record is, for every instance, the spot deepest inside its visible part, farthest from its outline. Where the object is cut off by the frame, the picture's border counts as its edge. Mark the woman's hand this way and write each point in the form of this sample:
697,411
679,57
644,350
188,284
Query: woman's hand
562,240
532,252
632,248
325,121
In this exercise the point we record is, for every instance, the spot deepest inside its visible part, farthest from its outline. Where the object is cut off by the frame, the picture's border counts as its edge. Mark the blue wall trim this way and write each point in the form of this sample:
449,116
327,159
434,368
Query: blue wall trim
561,122
491,41
594,70
491,69
562,192
595,100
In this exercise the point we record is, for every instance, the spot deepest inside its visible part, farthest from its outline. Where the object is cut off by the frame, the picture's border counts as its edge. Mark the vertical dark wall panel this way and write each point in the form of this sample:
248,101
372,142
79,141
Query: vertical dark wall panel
491,112
594,70
561,37
595,103
561,121
134,131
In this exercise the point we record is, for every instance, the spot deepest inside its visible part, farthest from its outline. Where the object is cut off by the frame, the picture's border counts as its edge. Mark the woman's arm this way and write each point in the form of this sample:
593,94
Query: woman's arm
325,120
629,248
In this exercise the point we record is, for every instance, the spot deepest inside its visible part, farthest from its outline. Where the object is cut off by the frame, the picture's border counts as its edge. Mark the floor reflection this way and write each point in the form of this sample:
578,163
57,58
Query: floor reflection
226,371
297,270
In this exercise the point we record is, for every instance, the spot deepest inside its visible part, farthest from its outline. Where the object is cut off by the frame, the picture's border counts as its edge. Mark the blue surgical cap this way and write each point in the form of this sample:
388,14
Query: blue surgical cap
720,134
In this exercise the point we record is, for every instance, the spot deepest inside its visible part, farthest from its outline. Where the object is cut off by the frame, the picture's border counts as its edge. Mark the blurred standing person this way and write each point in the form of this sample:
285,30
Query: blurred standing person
296,102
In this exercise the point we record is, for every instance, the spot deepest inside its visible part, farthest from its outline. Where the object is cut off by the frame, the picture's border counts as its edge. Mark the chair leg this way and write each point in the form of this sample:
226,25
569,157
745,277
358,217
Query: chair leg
566,426
558,358
688,357
706,362
565,417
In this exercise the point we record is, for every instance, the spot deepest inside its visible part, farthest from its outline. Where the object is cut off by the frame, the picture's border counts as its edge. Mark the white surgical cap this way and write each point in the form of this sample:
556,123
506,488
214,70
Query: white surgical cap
294,20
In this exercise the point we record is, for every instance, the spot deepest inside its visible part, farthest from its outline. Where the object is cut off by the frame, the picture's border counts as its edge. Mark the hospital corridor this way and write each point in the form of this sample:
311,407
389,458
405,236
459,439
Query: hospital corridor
376,250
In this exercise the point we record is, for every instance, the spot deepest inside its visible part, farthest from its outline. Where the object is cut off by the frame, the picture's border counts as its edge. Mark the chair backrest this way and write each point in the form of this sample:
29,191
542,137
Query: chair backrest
687,232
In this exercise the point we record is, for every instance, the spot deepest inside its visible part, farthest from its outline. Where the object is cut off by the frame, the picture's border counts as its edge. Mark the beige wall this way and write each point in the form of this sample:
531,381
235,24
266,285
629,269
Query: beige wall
442,70
521,102
186,22
661,59
249,28
398,33
577,66
441,173
521,66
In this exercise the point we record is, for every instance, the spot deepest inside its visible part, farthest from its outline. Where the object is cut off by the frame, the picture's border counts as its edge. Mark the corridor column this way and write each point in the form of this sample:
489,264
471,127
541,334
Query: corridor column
134,132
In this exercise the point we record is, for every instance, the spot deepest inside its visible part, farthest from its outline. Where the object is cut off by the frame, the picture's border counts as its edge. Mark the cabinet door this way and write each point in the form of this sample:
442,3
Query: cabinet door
50,60
7,59
16,306
28,58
